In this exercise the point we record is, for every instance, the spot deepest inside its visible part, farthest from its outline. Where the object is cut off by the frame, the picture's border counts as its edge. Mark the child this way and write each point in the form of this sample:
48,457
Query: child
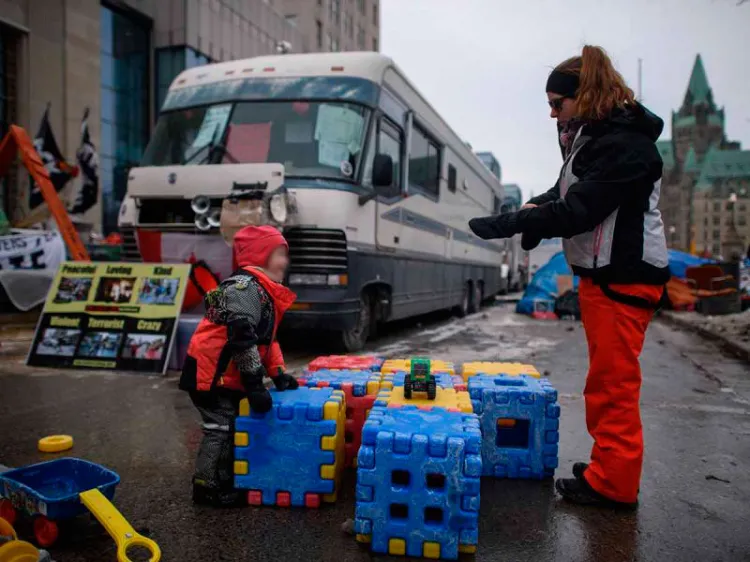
232,349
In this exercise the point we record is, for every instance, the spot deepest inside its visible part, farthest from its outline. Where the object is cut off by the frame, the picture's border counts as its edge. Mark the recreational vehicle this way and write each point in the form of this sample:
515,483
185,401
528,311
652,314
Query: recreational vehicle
372,188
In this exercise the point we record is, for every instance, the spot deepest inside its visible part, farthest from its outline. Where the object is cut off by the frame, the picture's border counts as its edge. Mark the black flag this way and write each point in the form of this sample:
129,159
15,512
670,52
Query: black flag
60,172
88,162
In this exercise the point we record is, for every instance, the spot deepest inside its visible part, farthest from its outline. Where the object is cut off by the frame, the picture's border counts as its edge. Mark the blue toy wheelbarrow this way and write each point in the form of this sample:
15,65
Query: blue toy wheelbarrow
61,489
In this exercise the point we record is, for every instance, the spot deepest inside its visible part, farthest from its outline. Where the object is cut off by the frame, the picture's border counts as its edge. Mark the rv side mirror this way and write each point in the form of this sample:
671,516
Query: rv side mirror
382,171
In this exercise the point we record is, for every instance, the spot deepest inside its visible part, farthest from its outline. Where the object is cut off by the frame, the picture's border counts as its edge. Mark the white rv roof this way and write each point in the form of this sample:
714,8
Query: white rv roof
367,65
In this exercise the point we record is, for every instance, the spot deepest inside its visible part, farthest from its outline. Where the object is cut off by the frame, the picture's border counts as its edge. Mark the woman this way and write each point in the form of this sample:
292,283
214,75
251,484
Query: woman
604,207
232,349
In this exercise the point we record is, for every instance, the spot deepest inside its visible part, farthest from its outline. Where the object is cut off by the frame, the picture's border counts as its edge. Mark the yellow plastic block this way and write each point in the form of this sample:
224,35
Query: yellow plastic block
331,410
364,538
397,547
328,471
241,439
446,398
330,498
328,443
431,550
467,548
436,366
241,467
244,407
498,368
373,387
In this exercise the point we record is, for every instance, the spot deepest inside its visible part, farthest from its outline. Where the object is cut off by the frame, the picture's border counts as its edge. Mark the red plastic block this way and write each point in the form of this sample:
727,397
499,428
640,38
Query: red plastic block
302,381
323,384
356,415
283,499
312,500
255,497
343,362
424,407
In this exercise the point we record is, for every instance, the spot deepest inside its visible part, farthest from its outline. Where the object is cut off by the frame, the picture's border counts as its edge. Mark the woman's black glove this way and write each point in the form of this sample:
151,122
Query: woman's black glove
498,226
284,381
529,241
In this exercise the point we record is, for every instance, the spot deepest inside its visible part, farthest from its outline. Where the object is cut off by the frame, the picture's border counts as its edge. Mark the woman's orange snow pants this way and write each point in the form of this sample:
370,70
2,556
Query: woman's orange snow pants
615,334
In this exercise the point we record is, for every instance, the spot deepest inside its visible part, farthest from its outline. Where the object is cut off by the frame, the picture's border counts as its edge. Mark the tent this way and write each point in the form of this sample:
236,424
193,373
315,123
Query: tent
680,261
543,286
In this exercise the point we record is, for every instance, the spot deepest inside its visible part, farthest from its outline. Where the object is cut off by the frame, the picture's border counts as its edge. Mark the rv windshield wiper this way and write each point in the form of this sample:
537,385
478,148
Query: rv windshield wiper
212,148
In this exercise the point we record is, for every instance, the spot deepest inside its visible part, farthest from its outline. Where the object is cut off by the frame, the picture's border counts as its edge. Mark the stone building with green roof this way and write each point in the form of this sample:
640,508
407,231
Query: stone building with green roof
705,196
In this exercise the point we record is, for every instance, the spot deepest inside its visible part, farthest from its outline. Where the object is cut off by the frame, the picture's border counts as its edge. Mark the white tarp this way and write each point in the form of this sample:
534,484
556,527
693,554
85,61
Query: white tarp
28,263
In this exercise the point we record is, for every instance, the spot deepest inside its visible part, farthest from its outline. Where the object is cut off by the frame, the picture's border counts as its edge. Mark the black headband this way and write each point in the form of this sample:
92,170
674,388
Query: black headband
562,83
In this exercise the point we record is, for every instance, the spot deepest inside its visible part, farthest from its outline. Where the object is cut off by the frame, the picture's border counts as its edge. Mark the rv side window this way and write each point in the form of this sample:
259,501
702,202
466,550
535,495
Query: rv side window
390,143
452,179
424,162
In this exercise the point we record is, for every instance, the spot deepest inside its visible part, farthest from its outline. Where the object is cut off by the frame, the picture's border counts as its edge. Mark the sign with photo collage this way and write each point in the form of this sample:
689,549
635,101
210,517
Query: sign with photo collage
110,315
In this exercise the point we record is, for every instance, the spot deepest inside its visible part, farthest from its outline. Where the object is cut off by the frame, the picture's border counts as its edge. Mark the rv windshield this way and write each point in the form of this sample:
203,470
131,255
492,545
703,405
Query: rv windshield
311,139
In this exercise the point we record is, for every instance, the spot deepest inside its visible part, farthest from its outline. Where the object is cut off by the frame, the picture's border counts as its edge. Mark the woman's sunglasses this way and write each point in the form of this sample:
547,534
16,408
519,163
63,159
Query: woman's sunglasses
557,104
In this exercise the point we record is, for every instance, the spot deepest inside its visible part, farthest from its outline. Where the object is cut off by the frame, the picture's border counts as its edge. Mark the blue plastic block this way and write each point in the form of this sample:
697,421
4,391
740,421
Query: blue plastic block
520,421
335,379
443,380
418,481
286,447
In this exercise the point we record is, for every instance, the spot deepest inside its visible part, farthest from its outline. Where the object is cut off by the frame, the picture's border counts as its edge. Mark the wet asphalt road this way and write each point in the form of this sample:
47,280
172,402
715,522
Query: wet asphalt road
695,492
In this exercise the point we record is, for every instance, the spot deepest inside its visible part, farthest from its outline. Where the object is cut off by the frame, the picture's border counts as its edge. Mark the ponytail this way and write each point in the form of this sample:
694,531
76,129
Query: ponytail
601,88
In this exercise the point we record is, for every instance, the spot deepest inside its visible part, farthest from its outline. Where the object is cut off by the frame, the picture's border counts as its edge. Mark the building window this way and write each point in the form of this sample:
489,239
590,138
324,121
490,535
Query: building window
741,220
335,11
375,44
361,37
319,33
716,235
717,207
424,162
375,14
291,19
361,5
348,26
717,220
125,92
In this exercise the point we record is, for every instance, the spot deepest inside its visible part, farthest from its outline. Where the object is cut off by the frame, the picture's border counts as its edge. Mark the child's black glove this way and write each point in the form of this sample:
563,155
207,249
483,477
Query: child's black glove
284,381
260,400
257,393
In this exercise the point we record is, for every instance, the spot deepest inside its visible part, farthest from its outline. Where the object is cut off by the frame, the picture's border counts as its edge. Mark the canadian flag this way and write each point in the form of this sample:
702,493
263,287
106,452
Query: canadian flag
182,247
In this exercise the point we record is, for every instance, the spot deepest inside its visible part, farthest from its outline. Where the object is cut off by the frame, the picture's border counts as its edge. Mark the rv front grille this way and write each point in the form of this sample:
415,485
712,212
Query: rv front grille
314,250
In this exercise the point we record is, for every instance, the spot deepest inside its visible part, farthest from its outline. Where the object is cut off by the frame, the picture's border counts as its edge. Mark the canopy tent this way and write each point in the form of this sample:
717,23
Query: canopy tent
680,261
544,284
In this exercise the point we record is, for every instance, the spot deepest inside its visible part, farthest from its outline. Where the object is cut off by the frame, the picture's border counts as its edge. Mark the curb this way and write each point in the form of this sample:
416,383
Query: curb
736,349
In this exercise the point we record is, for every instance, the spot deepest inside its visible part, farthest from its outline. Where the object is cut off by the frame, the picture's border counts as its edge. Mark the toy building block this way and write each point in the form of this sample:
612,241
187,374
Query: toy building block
459,384
293,454
404,365
346,363
493,369
445,399
418,482
520,421
443,380
360,389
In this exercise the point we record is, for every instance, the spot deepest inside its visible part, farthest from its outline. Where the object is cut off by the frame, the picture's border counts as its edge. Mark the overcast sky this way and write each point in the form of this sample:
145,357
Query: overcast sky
483,64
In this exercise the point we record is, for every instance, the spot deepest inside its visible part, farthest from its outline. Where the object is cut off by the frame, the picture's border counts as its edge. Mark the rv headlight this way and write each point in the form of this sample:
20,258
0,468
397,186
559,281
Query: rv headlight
308,279
277,206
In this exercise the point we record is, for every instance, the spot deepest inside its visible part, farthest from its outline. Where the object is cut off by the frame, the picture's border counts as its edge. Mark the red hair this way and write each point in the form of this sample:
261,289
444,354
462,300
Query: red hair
601,88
